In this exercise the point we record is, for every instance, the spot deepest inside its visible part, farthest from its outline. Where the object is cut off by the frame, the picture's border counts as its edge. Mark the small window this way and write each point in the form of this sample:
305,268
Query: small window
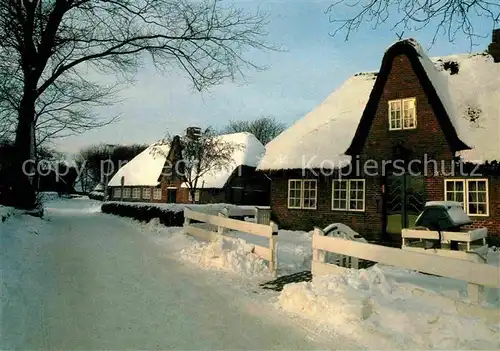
126,193
157,194
146,193
471,193
348,195
402,114
302,193
117,193
136,193
196,196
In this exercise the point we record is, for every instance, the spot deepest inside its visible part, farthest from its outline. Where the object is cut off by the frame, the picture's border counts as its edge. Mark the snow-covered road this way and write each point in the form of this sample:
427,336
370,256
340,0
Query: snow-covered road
84,280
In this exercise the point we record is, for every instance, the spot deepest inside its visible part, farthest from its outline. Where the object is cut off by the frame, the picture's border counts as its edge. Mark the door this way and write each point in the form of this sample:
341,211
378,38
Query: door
171,195
404,200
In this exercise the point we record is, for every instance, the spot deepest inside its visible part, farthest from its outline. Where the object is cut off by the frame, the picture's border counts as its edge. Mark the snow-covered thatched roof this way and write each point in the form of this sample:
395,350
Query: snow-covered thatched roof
248,152
468,86
145,169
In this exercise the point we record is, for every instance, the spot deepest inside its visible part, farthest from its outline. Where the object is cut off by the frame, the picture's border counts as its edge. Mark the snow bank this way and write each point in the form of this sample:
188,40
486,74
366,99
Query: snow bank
5,212
234,255
227,254
385,307
172,239
294,249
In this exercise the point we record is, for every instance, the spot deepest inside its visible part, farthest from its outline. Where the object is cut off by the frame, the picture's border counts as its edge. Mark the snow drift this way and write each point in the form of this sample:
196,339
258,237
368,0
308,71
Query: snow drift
363,303
234,255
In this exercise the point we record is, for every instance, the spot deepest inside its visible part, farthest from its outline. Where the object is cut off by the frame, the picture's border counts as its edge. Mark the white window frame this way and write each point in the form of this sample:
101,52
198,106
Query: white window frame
301,197
348,195
117,193
196,196
401,113
466,182
127,193
136,193
146,193
157,194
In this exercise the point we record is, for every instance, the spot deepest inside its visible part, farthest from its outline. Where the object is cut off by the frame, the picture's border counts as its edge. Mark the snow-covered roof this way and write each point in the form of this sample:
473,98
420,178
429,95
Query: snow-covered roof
474,108
325,133
145,168
468,85
471,98
248,153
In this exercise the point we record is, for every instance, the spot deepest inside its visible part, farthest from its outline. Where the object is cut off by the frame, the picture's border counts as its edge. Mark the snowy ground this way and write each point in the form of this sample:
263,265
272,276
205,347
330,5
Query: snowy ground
382,307
82,279
79,279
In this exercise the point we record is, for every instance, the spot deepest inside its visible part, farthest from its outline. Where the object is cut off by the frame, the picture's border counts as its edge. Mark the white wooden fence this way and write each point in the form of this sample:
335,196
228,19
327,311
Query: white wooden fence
477,275
260,214
223,224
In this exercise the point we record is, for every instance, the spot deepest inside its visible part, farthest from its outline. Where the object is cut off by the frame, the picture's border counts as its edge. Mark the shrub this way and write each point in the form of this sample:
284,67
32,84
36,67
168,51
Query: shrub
145,213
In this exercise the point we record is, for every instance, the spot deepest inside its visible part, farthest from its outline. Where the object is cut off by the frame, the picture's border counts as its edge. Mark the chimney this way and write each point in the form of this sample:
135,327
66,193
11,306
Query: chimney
494,47
193,132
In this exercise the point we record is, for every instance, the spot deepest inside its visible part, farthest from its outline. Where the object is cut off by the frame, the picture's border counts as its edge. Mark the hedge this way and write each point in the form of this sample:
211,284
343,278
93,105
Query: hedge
145,213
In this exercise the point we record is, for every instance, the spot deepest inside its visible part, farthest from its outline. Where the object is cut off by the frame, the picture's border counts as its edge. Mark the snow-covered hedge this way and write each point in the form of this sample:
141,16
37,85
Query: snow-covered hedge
145,212
96,195
171,215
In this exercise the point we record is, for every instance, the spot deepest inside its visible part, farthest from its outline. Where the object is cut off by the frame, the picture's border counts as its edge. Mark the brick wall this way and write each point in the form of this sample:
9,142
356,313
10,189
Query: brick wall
427,138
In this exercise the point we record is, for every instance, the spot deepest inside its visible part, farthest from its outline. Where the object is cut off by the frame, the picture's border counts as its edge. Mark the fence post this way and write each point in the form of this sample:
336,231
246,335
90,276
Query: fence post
273,263
224,214
262,215
318,256
475,293
187,220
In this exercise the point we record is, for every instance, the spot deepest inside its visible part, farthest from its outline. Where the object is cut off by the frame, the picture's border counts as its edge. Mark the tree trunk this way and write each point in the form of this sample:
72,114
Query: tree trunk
23,192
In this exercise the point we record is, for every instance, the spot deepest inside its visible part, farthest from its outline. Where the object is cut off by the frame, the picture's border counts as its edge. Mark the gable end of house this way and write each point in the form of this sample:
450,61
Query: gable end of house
407,48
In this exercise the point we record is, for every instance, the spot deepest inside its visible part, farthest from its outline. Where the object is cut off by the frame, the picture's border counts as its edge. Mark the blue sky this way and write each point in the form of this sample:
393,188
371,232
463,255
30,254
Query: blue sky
312,66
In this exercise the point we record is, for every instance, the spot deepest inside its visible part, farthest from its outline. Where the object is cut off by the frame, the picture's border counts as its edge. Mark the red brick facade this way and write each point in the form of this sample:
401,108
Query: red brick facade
426,141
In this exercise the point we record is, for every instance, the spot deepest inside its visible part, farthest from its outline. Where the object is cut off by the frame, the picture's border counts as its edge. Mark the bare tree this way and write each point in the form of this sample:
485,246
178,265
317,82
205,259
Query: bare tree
92,160
48,46
200,155
265,129
450,17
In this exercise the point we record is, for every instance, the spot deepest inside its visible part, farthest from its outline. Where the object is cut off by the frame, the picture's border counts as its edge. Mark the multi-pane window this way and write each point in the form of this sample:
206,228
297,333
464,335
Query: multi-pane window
117,193
126,193
302,193
196,196
146,193
157,194
136,193
455,190
339,194
471,193
348,194
477,194
402,114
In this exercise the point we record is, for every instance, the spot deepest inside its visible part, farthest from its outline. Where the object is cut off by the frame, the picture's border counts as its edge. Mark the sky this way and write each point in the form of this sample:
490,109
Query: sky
311,65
